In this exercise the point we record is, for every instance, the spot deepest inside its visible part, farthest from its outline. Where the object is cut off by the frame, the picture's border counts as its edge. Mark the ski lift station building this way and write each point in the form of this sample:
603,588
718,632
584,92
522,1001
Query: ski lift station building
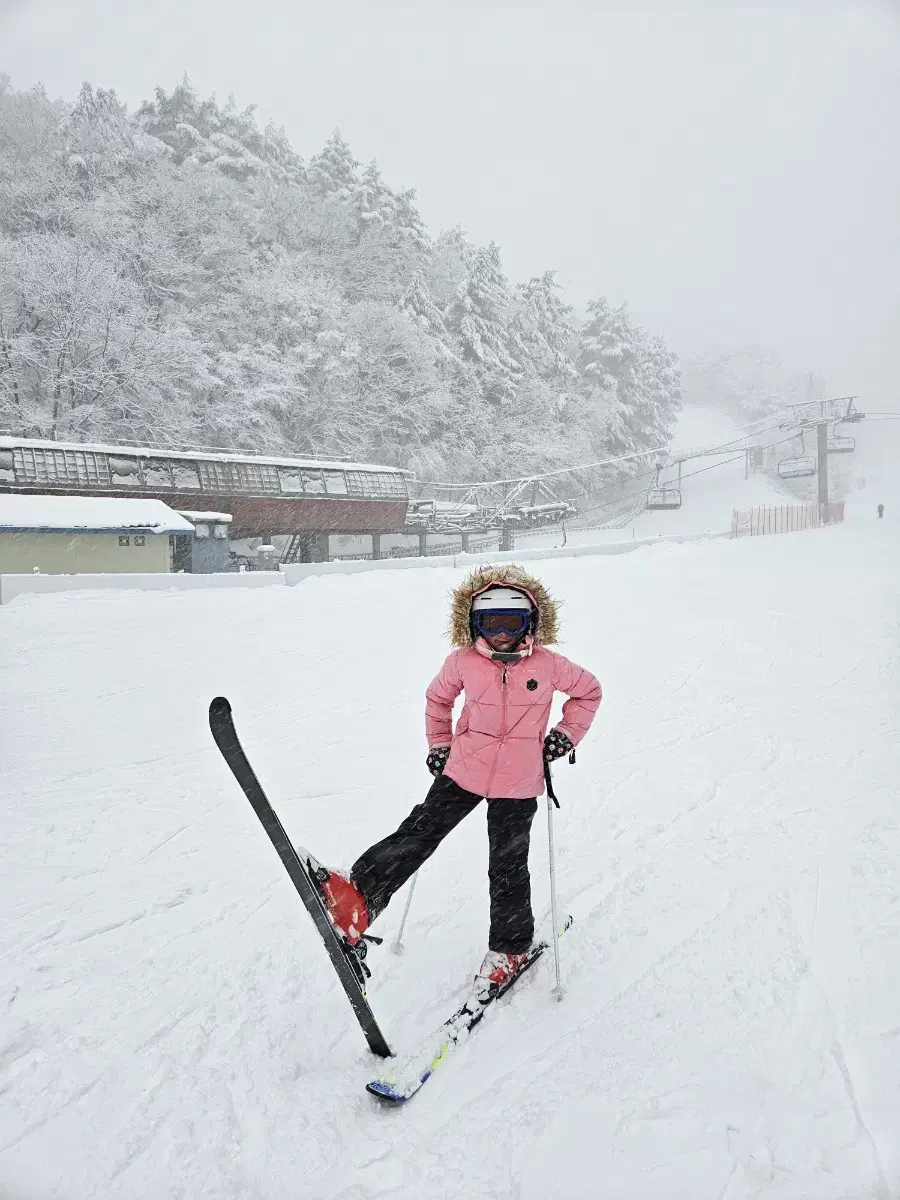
67,535
265,496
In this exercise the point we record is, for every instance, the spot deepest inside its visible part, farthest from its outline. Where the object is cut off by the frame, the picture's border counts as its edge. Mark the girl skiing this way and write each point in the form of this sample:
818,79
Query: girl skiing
502,621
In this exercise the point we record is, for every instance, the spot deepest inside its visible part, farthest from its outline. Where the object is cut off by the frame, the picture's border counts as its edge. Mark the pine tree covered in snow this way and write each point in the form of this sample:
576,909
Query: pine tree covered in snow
546,330
180,273
375,203
417,300
223,138
631,377
334,171
481,318
407,220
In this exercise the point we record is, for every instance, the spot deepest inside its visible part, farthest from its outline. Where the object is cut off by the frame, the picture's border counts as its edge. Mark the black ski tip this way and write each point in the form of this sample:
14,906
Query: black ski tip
218,708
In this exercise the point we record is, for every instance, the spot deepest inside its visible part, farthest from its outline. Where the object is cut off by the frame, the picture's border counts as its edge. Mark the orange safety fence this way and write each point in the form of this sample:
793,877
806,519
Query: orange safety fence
785,518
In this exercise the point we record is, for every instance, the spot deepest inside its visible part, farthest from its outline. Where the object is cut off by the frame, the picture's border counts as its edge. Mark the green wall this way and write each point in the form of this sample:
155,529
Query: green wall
81,553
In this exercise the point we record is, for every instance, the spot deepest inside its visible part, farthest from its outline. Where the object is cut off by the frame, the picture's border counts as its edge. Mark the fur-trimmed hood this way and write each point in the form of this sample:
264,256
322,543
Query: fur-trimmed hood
510,575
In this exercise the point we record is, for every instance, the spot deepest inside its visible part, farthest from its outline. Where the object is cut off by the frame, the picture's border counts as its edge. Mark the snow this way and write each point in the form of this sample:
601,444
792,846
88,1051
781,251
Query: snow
705,428
728,842
222,518
88,513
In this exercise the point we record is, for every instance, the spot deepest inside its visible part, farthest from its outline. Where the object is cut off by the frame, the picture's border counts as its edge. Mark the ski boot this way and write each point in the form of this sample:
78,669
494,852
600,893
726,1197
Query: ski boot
346,905
495,973
347,910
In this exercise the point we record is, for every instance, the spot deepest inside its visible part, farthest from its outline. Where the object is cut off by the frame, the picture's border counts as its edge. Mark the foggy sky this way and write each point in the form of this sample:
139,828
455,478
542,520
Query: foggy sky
731,169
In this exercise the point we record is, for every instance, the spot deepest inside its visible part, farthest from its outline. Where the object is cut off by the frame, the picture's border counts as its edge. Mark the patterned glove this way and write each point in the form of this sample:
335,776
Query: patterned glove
556,745
437,759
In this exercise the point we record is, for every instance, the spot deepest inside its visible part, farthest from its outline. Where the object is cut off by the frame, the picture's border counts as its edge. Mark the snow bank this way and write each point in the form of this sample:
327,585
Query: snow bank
296,572
13,586
729,844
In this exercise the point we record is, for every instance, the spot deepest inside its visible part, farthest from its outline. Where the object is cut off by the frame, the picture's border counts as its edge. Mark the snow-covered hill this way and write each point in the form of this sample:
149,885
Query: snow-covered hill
729,843
711,488
874,466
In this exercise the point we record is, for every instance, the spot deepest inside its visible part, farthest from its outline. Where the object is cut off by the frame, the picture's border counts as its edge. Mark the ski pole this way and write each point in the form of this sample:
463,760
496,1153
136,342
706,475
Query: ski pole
554,914
397,944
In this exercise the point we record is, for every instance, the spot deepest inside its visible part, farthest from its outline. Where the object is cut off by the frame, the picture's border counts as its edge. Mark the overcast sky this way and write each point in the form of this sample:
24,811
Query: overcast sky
731,169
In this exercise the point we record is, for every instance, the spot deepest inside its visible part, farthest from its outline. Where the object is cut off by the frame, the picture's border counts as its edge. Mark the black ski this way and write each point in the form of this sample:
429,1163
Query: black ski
346,961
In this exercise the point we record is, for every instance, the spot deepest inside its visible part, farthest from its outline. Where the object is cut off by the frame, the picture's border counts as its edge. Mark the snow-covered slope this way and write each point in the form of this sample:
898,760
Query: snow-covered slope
711,488
874,467
729,843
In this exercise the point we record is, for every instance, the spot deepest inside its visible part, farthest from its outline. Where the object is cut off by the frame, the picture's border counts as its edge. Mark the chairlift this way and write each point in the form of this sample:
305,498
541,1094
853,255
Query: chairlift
853,414
664,498
547,514
660,497
797,468
839,444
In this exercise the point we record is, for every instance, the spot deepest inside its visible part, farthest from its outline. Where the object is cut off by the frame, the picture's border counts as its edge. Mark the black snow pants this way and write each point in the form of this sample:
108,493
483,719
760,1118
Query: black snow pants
387,865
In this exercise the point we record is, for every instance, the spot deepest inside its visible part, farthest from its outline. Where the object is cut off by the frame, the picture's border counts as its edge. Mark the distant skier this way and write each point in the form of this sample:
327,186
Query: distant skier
501,622
880,511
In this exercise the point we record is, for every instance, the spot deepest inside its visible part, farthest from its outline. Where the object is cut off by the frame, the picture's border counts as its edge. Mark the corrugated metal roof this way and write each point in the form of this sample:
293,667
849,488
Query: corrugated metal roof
224,456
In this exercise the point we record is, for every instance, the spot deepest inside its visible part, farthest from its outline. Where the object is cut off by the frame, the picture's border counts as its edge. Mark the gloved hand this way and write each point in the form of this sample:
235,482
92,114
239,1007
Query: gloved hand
437,759
556,745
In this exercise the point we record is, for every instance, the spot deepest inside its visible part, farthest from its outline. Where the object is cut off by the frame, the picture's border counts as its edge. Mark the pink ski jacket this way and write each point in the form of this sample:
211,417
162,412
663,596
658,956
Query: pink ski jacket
497,746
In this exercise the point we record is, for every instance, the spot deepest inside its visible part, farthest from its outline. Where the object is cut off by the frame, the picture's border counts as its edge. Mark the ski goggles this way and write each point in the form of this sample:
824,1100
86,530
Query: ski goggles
493,621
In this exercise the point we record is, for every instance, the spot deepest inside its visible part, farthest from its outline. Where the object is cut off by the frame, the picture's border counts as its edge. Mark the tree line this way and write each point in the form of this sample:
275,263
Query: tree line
178,274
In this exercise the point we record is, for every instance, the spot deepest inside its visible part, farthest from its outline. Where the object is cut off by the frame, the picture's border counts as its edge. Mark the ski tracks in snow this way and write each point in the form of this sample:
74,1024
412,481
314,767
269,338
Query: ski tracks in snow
728,844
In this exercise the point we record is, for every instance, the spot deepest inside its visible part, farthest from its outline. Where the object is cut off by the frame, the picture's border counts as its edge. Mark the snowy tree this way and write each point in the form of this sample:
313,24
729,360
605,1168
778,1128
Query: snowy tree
393,391
179,273
35,191
604,343
282,349
375,204
329,235
224,139
481,318
80,353
417,301
334,171
546,330
376,268
100,144
448,265
180,120
661,387
407,220
615,357
389,241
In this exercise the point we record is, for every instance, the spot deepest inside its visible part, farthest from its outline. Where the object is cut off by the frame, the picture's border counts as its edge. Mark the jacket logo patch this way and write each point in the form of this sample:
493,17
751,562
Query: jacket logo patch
532,685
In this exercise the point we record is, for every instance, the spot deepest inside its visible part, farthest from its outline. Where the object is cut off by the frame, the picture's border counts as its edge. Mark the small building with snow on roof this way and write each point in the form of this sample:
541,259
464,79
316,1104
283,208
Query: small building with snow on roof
208,550
70,535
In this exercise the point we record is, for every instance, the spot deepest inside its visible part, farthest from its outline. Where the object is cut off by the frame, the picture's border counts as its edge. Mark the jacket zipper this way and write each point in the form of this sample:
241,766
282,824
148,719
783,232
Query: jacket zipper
502,727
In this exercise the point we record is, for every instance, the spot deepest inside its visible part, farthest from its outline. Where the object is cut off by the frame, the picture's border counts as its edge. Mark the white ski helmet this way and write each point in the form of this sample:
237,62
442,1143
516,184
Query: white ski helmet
500,597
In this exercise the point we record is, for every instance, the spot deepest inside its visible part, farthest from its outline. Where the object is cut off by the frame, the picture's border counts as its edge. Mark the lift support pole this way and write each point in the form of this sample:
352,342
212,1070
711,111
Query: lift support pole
822,432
